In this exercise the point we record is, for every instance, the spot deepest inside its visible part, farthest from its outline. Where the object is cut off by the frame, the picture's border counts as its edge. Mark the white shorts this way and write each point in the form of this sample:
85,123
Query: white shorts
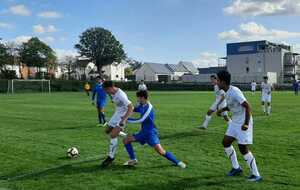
115,119
215,106
243,137
266,97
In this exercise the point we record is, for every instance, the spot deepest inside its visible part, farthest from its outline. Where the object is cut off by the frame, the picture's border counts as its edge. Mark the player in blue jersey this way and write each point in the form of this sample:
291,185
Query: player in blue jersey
100,95
148,133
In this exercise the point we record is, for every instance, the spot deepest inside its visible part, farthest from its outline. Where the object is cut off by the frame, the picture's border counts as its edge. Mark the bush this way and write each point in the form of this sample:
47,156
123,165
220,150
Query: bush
8,74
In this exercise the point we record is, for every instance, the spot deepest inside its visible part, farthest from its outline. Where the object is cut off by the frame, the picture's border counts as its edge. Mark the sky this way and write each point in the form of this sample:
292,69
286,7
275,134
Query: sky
162,31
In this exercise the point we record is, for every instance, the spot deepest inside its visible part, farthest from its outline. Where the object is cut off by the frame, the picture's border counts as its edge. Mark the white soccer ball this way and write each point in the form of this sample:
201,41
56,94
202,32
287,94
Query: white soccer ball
72,152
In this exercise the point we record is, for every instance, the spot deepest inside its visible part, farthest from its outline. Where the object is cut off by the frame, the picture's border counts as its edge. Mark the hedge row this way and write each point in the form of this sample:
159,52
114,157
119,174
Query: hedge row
75,85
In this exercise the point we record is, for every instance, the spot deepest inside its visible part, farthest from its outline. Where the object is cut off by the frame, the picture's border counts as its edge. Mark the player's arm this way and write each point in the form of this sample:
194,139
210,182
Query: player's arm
93,95
128,113
247,107
222,110
142,118
221,99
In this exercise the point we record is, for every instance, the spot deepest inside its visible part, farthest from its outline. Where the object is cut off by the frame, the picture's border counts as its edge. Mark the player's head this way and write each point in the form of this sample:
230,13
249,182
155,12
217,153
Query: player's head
142,81
109,87
224,79
213,79
142,96
266,78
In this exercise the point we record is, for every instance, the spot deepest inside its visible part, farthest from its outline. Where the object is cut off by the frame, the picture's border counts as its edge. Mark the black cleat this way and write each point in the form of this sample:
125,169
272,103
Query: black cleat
107,162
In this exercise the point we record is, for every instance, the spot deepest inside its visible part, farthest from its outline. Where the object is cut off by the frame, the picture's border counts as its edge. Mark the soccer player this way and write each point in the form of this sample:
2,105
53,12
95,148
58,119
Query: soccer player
148,133
253,87
142,86
87,88
266,90
296,87
240,129
219,103
124,109
100,100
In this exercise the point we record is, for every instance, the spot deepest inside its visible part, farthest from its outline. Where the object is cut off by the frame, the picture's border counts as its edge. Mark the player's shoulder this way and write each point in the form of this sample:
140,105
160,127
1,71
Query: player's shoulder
233,90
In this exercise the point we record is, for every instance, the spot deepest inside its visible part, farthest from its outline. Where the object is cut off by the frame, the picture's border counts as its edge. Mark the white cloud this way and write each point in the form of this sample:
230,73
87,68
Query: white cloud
49,14
254,31
206,59
5,25
40,29
62,53
20,9
22,39
263,7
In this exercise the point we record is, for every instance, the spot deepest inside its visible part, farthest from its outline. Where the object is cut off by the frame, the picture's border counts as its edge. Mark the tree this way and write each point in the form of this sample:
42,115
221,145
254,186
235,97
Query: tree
101,46
4,56
69,65
36,53
5,59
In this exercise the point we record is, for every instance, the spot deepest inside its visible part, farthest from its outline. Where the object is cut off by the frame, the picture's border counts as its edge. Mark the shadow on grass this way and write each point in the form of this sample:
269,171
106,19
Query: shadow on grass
76,127
191,133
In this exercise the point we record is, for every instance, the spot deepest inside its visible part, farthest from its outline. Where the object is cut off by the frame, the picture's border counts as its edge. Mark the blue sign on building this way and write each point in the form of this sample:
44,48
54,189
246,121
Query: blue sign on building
245,47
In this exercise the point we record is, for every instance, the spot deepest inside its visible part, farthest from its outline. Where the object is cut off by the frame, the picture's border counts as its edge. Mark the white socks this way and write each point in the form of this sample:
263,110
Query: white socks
230,152
269,110
249,158
264,108
113,147
207,120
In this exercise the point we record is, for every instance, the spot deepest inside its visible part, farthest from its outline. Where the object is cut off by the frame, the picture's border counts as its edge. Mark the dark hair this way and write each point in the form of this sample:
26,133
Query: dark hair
224,76
108,84
266,77
213,76
142,94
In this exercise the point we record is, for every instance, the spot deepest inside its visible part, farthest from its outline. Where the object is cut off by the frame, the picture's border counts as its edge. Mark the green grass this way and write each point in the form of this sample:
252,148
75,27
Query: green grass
37,129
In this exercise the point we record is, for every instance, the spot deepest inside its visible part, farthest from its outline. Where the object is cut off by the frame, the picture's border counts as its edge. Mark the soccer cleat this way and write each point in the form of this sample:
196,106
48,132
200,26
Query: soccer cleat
202,127
131,162
107,162
235,172
99,125
181,165
254,178
105,124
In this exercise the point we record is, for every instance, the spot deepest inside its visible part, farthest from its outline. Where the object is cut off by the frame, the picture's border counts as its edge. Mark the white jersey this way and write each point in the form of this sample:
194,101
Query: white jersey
266,88
121,100
142,87
218,92
235,98
253,86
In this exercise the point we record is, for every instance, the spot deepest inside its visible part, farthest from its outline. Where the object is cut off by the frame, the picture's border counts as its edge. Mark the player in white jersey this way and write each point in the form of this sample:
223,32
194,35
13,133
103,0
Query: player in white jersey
266,96
219,103
142,86
124,109
240,129
253,87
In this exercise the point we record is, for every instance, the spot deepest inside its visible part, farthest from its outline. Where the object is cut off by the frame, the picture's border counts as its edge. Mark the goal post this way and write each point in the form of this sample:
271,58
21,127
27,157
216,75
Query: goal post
31,85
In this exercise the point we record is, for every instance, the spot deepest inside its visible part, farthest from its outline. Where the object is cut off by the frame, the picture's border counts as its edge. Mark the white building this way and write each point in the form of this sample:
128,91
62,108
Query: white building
248,61
163,72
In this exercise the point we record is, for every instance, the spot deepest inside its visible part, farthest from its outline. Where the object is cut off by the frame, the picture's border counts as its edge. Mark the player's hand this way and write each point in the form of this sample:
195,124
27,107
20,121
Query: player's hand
245,127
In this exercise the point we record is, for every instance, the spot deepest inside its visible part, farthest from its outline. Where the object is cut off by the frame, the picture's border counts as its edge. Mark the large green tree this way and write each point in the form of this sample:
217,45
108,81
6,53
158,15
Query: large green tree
36,53
3,55
101,46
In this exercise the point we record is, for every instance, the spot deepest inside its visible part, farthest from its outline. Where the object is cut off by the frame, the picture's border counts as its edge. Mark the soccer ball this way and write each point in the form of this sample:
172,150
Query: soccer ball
72,152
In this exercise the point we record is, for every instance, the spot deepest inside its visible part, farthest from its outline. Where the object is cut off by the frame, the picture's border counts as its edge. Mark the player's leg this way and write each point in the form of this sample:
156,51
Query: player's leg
231,154
269,105
102,114
250,159
99,116
207,119
128,146
168,155
263,106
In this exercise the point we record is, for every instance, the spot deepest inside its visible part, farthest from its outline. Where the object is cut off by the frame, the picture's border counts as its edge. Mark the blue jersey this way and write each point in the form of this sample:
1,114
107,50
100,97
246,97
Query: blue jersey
146,119
100,92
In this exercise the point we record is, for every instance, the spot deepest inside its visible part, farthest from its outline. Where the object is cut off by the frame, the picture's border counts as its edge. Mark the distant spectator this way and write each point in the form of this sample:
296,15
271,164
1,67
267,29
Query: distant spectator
253,86
142,86
87,88
296,87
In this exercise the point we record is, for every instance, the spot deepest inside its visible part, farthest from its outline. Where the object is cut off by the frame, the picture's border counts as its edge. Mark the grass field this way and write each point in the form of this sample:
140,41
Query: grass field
37,129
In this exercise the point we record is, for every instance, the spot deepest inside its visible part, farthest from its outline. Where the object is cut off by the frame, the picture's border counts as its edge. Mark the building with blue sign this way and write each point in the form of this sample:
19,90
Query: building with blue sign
248,61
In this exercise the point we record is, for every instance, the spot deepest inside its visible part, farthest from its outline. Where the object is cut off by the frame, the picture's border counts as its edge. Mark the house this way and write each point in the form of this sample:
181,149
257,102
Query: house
164,72
189,66
204,74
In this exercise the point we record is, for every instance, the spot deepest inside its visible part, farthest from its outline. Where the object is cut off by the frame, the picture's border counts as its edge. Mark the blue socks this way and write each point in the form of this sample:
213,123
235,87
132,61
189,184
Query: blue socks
101,118
130,151
171,157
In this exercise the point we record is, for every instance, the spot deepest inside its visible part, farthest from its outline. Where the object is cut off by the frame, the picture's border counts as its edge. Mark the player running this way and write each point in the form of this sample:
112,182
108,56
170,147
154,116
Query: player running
124,109
148,133
239,129
100,101
266,96
219,103
253,87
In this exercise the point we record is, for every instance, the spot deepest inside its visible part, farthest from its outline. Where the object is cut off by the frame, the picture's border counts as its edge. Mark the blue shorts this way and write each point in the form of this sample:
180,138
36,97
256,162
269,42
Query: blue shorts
101,104
150,138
